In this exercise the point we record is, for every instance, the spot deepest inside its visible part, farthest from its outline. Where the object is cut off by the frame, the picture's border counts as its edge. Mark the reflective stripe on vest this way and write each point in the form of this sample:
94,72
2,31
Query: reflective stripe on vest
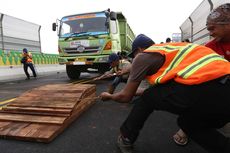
189,70
165,48
188,64
177,59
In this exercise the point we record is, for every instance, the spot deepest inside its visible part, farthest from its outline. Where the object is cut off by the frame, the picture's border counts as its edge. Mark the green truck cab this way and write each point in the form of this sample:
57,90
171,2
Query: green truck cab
86,40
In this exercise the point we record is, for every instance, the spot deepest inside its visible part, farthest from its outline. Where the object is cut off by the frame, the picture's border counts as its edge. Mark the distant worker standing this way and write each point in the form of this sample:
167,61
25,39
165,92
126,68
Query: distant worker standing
27,62
188,80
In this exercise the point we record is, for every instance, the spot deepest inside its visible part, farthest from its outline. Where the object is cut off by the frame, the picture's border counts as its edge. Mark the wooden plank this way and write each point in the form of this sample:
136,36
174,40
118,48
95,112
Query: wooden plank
36,113
37,109
51,91
10,128
27,99
78,110
27,131
45,104
67,90
66,87
31,118
88,92
47,94
38,132
15,127
84,102
43,132
44,128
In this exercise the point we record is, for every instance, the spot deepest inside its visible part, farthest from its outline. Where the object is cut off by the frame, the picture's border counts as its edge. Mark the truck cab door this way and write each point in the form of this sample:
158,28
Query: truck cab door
115,36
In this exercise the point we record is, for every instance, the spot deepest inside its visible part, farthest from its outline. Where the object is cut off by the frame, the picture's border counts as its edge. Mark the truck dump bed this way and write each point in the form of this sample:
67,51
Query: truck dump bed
126,34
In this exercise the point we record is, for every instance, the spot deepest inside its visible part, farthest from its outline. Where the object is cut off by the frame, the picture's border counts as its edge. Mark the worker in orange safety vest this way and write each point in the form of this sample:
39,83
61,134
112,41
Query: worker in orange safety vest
186,79
27,62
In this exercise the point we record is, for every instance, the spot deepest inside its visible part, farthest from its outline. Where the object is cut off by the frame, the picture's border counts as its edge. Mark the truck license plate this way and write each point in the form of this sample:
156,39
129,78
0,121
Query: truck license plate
78,43
78,63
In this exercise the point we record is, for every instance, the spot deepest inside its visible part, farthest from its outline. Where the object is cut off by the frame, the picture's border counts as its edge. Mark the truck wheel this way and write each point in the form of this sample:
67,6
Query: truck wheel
104,68
72,72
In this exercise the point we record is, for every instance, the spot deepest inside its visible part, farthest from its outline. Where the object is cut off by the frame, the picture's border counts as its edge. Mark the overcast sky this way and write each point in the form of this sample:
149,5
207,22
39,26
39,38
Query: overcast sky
157,19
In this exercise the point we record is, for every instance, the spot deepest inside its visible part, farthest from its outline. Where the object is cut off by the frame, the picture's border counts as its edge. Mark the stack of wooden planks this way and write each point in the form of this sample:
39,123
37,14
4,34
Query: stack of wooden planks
44,112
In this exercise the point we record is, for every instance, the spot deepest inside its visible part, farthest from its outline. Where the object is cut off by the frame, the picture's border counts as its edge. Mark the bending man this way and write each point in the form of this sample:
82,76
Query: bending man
188,80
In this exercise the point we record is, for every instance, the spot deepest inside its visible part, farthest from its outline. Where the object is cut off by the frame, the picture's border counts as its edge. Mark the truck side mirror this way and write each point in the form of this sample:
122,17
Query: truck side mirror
54,26
113,16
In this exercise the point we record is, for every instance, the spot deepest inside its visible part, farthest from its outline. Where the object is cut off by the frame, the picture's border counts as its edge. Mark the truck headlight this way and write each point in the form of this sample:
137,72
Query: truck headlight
103,59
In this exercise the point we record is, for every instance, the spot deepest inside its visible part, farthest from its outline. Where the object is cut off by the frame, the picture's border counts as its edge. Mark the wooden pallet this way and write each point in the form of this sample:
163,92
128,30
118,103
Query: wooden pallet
44,112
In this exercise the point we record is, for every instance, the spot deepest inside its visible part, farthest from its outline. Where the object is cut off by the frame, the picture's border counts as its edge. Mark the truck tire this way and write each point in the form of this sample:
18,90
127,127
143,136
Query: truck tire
104,68
73,72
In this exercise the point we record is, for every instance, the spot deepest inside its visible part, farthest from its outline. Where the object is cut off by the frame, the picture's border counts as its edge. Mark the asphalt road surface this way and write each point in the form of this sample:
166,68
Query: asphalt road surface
96,130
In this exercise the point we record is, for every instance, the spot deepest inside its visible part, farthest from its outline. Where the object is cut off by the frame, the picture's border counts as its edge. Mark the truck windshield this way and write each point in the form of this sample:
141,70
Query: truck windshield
87,24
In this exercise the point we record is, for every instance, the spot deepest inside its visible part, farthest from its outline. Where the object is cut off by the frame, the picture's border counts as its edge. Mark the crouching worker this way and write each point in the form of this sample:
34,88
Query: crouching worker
119,70
188,80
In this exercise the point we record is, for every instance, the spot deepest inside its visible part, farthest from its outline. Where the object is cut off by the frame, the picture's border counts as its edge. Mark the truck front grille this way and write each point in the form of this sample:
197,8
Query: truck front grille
86,50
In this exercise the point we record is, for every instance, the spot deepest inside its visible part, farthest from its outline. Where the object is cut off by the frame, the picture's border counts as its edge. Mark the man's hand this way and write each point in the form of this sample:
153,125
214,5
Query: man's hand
97,78
105,96
110,75
119,73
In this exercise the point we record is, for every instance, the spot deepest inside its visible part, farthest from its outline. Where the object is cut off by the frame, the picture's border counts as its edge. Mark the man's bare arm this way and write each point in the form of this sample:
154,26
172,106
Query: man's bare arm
124,70
124,96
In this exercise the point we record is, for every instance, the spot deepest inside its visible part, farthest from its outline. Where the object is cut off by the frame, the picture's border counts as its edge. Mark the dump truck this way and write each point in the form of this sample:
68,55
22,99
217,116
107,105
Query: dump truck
86,40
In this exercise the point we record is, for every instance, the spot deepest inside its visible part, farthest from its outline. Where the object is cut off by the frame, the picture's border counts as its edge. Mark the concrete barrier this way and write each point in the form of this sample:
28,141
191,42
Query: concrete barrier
8,73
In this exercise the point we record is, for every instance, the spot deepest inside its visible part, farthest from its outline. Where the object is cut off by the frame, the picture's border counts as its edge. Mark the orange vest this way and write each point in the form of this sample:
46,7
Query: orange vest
188,63
28,57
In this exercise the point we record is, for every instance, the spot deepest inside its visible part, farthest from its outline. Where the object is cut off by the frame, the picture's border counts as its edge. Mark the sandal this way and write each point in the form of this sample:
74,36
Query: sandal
180,138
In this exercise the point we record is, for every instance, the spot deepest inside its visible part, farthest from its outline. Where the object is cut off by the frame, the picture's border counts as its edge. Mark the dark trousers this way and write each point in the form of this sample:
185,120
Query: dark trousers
25,66
201,110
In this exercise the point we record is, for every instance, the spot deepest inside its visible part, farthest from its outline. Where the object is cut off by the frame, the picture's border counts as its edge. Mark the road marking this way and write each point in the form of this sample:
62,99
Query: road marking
3,103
